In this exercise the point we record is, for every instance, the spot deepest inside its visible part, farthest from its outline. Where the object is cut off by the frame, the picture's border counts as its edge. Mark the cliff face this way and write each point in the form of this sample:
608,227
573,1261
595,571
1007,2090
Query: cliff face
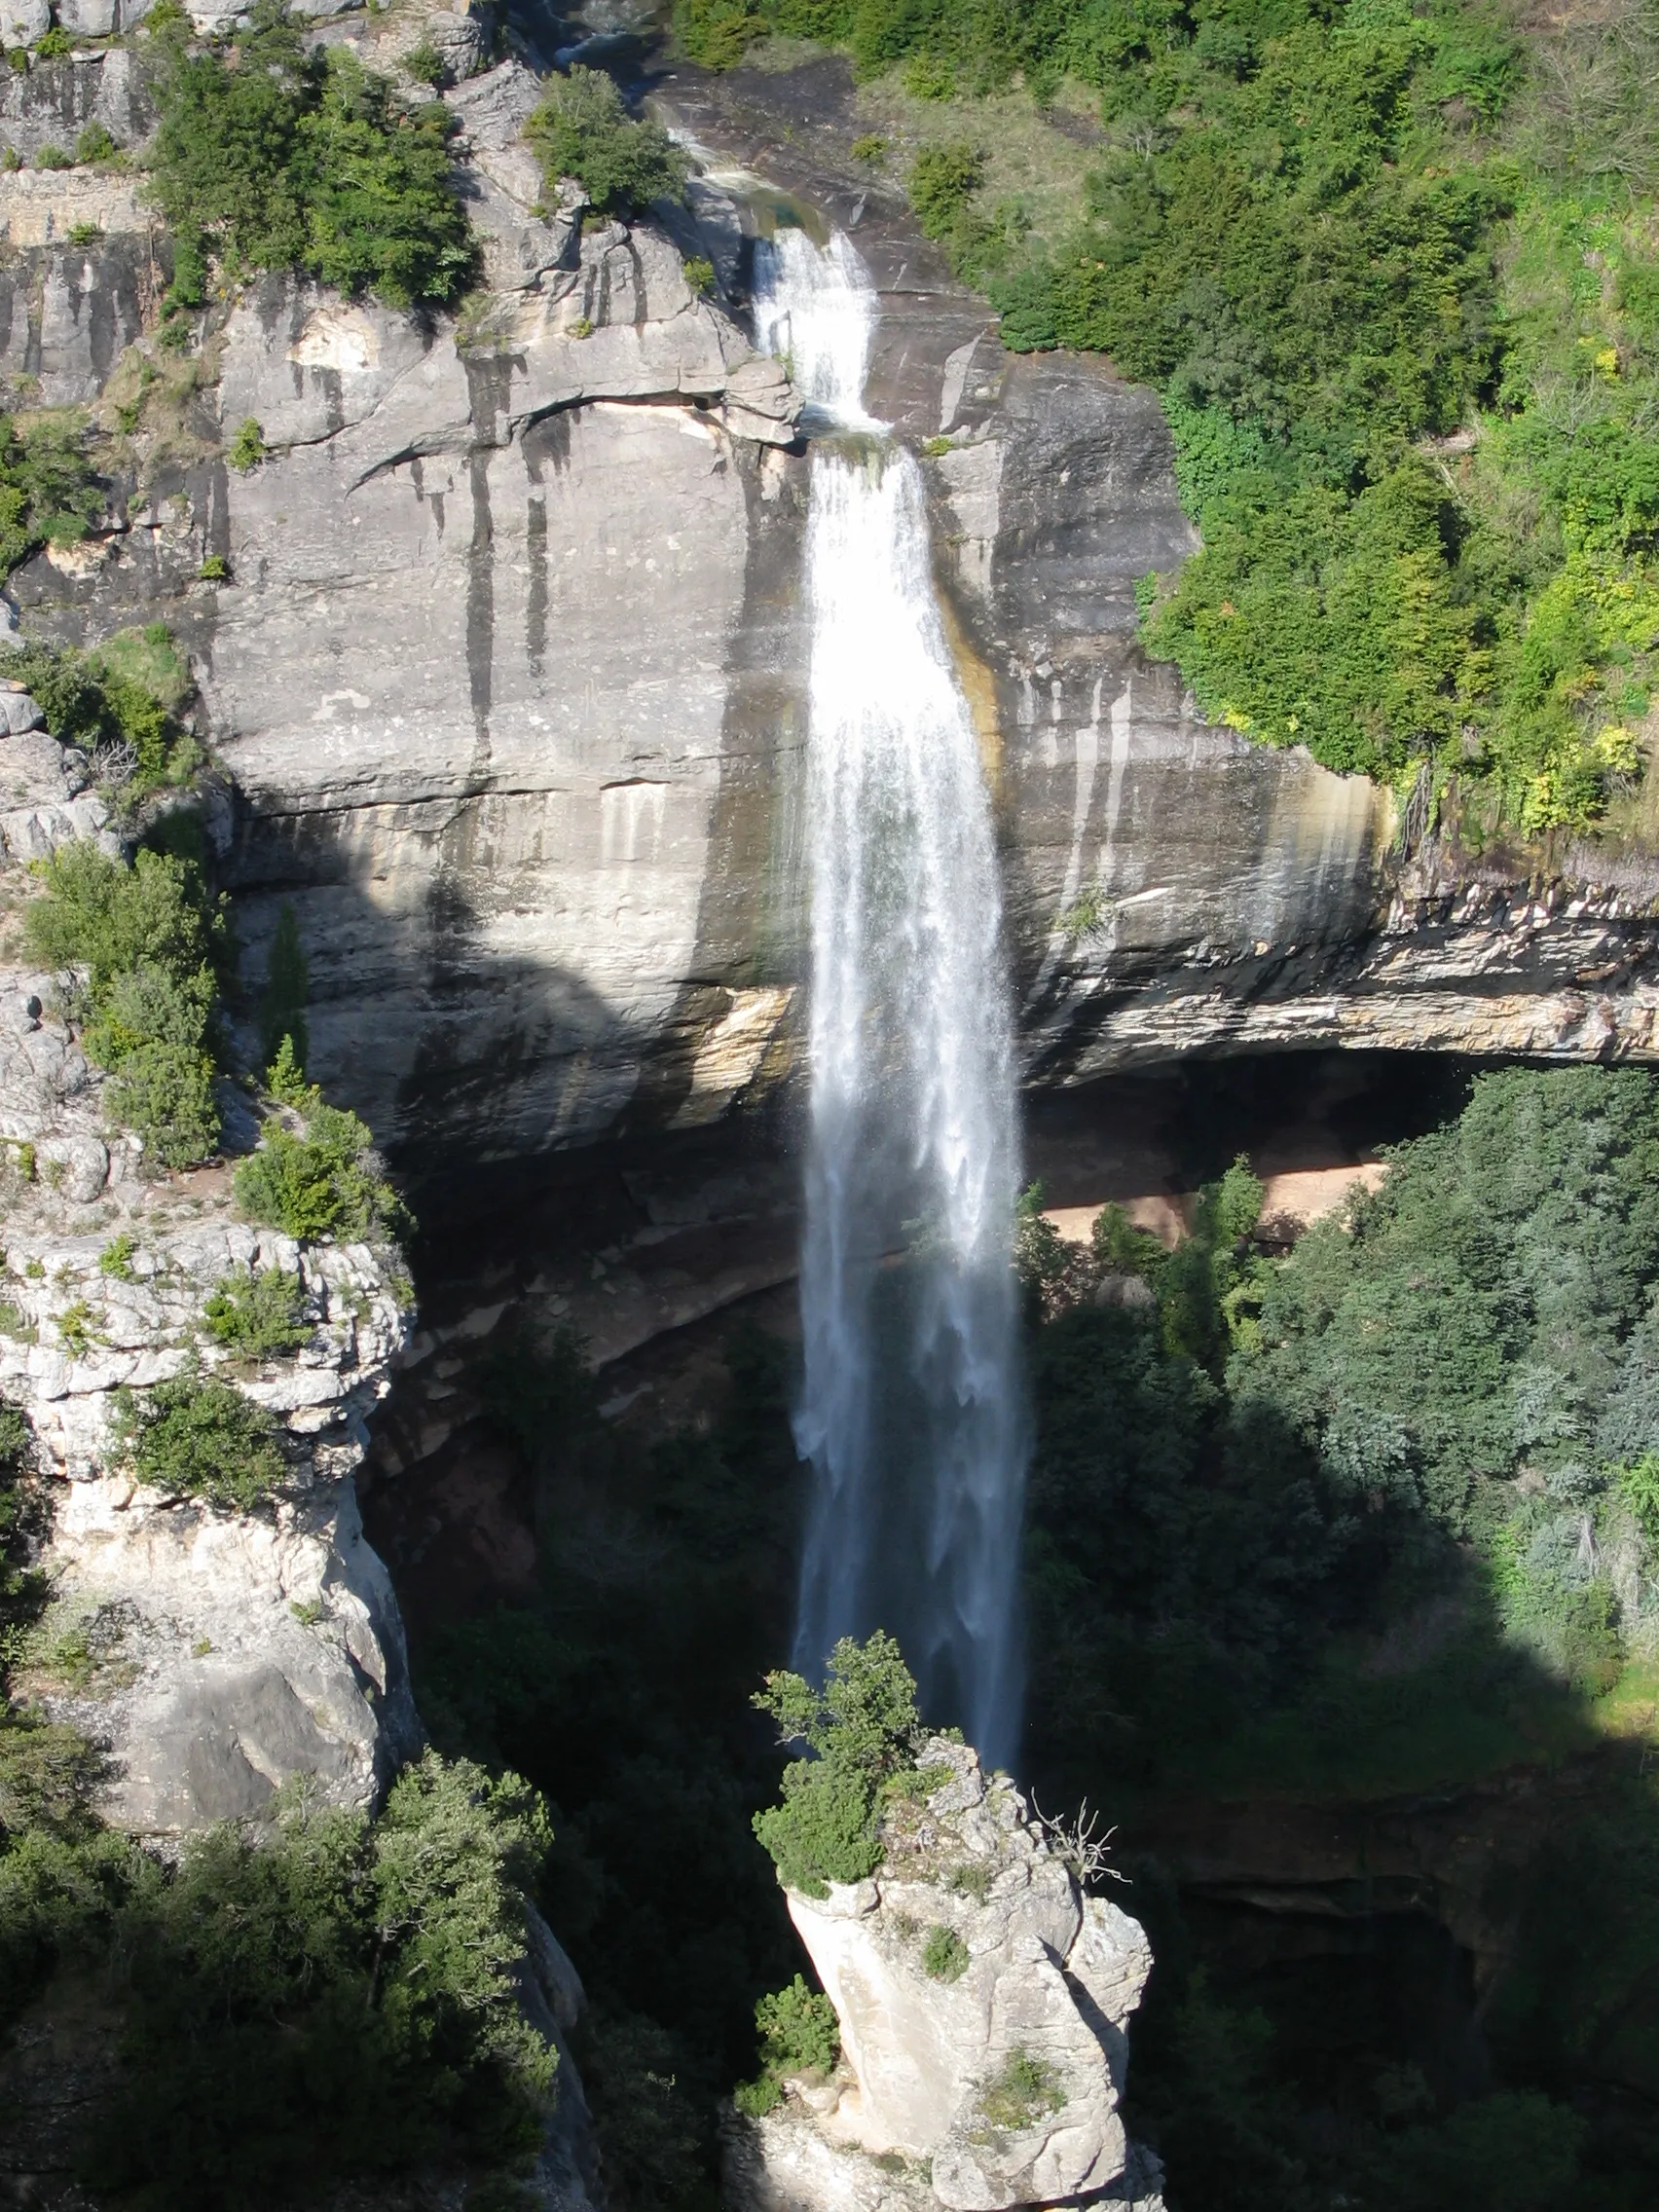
509,673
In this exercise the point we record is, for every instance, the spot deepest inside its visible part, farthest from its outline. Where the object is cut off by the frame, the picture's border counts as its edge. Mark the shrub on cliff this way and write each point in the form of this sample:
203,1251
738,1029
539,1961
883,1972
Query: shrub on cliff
49,495
117,704
282,159
582,129
196,1437
799,2034
335,1999
258,1312
324,1183
864,1731
144,938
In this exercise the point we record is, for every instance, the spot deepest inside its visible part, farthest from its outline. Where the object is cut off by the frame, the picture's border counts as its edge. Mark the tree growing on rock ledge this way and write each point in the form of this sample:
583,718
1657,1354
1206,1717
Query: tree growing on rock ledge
277,158
582,129
864,1732
979,1995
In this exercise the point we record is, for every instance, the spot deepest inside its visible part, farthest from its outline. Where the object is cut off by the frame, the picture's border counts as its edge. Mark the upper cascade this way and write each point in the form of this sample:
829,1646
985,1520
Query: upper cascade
913,1402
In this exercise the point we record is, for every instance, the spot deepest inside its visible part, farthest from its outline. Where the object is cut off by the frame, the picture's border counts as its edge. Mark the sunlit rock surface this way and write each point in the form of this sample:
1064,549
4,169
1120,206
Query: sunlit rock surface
509,674
989,2080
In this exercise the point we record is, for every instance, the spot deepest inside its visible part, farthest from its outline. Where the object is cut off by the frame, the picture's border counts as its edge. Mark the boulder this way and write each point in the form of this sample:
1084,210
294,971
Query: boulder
982,2000
23,21
228,1652
88,18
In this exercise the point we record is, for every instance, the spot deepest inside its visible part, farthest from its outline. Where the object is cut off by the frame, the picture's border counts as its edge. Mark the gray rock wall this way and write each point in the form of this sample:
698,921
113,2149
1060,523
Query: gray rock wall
508,672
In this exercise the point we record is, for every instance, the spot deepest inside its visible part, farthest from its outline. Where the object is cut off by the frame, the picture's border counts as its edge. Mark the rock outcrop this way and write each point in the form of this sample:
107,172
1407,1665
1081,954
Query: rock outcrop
982,2000
208,1655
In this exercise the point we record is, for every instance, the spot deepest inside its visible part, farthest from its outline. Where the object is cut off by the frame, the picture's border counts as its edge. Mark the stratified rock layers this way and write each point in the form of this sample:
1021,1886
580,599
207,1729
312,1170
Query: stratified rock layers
504,655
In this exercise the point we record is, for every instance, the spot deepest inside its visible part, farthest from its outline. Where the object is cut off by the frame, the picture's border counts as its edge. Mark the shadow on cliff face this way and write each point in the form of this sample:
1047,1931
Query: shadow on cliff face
1395,1851
604,1640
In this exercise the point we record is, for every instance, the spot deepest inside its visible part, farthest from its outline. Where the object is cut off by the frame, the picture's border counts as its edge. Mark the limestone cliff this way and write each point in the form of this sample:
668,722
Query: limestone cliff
982,2000
507,662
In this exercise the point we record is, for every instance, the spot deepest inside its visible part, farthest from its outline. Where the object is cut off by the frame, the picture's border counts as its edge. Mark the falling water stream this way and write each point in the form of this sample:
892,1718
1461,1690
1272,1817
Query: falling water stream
912,1410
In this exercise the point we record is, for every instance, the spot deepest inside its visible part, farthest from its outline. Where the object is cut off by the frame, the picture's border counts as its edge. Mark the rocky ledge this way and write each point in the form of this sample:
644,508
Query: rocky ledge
982,2000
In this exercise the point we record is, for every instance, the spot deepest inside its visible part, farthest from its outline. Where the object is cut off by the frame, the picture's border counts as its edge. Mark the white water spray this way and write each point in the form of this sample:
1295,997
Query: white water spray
912,1410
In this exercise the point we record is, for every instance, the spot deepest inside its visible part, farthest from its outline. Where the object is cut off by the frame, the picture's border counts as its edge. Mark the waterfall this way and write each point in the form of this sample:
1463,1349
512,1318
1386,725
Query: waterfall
911,1409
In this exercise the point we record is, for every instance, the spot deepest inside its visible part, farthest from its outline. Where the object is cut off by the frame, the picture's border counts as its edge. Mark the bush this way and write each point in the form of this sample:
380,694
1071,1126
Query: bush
581,129
195,1437
864,1730
1025,2092
54,44
49,495
944,1955
146,936
95,144
116,1258
258,1311
335,1999
425,63
942,182
289,160
798,2035
116,703
247,449
321,1184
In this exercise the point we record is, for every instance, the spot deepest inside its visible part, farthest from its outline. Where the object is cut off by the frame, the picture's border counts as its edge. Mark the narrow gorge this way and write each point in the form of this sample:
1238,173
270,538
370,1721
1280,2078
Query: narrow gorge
829,1259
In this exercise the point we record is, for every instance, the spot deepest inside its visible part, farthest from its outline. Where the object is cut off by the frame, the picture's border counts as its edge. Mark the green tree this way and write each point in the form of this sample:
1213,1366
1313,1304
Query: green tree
145,938
863,1730
321,1184
281,158
582,129
194,1436
49,495
258,1311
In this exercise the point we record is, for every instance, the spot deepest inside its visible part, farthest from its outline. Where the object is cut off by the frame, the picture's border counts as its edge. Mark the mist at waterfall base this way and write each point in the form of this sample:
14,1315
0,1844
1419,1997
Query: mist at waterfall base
912,1409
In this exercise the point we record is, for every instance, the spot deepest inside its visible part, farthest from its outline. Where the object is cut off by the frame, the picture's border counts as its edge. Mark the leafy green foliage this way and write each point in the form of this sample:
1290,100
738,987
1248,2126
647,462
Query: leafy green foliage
145,937
1439,1408
798,2035
582,129
247,449
1392,269
281,158
335,1999
116,1258
864,1728
194,1436
1472,1317
1024,2090
116,702
258,1311
425,63
49,495
944,1955
324,1183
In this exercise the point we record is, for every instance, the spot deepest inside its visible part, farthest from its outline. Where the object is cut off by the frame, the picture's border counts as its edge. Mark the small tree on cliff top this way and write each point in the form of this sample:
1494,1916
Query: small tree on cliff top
865,1730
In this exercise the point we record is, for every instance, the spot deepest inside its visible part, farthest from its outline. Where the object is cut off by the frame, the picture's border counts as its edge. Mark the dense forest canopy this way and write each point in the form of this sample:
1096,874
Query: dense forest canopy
1392,269
1376,1520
